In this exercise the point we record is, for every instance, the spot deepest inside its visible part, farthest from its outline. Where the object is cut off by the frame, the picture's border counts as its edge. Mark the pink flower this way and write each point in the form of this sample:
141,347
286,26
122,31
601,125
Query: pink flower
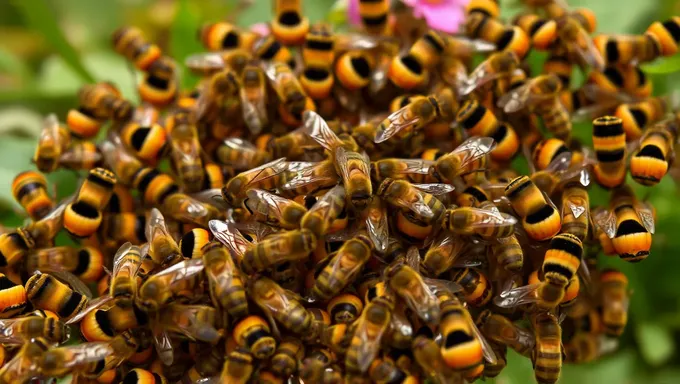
442,15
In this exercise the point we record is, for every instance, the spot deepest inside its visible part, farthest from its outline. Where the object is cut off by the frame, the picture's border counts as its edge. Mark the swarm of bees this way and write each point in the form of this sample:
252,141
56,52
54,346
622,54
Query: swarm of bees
340,208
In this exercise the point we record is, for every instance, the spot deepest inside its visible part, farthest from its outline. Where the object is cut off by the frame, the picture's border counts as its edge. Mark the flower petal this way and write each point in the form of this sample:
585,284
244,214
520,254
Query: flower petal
442,17
353,12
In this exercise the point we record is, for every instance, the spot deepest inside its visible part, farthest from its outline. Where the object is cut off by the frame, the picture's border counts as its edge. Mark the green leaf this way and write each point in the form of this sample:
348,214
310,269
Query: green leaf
656,343
10,64
664,65
41,18
15,157
183,41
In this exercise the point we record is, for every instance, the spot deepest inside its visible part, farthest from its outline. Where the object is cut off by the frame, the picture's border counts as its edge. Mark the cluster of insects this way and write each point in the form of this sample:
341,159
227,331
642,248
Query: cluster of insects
340,207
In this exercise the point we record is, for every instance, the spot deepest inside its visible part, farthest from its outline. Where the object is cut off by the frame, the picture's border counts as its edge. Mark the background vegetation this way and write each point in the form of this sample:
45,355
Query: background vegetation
49,48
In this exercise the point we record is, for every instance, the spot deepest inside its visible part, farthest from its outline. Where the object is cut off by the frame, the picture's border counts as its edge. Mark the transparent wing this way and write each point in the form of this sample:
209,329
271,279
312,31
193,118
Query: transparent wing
205,62
163,346
72,157
377,225
265,203
487,218
425,303
516,99
182,270
227,234
245,149
85,353
439,285
212,197
265,171
222,277
322,174
586,50
576,209
254,112
479,76
276,302
417,205
646,214
369,345
185,320
330,202
394,123
317,128
413,166
487,350
155,226
50,131
91,306
73,281
472,149
517,296
560,163
343,158
436,189
412,258
605,221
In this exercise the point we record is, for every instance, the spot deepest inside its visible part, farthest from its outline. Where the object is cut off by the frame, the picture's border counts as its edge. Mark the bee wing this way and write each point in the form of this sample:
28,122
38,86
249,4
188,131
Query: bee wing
254,112
377,225
311,175
205,62
258,174
472,149
424,303
394,123
585,49
227,234
479,76
267,204
192,209
356,41
91,306
155,225
183,270
418,206
413,258
516,99
646,216
416,166
86,353
368,347
212,197
487,349
194,328
342,157
439,285
517,296
560,163
317,128
163,346
73,281
50,130
328,201
488,218
72,158
436,189
605,221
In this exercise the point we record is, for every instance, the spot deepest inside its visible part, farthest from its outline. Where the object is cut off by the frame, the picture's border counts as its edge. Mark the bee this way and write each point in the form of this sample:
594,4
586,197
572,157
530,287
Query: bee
29,189
81,155
86,262
310,178
576,210
637,116
207,63
476,286
541,95
160,288
489,224
131,43
409,284
442,254
45,291
253,96
82,124
23,366
370,328
289,25
289,246
546,151
145,139
83,216
105,102
505,38
52,143
374,16
126,264
142,376
324,211
629,224
627,49
548,350
578,43
352,166
541,31
238,366
384,370
185,151
192,242
288,353
287,87
413,170
427,353
240,154
253,333
220,91
283,306
651,161
342,268
499,329
225,280
223,36
318,54
274,210
12,297
23,329
498,66
345,308
411,69
195,321
666,35
160,83
540,219
162,247
104,322
414,200
609,142
467,158
264,176
615,300
418,113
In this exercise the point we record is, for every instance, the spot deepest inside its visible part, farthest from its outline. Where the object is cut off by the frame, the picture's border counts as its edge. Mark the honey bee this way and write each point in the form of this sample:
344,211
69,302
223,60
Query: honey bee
86,263
489,224
369,330
238,367
499,329
253,96
219,91
185,151
615,300
310,178
207,64
540,219
540,95
374,16
20,330
548,349
415,199
45,291
103,320
467,158
140,376
627,49
418,113
629,224
223,36
160,83
287,87
428,355
377,226
192,242
341,268
131,43
83,216
475,285
186,209
29,189
651,161
289,25
352,166
162,247
283,306
289,246
320,216
194,321
288,353
105,102
226,283
541,31
253,332
234,191
240,154
318,54
442,254
13,297
498,66
274,210
411,69
383,370
664,33
409,284
578,43
413,170
25,364
576,210
52,142
160,288
58,362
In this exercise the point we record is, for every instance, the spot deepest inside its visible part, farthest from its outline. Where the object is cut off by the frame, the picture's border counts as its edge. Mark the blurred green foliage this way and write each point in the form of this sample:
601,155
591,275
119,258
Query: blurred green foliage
51,47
